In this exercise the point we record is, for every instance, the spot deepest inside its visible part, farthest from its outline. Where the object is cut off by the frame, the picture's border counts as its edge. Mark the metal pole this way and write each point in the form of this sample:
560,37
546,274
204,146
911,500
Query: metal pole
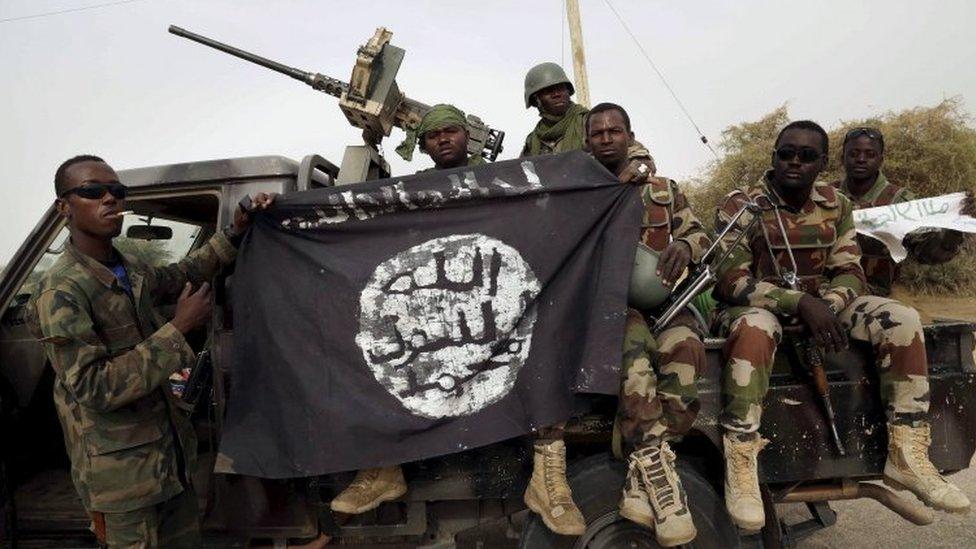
579,57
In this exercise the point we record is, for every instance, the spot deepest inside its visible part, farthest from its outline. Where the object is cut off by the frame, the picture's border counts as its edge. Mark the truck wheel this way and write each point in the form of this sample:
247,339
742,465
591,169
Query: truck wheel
597,481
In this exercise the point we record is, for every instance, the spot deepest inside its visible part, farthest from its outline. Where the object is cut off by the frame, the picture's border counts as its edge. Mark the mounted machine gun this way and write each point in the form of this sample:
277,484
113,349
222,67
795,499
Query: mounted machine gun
371,101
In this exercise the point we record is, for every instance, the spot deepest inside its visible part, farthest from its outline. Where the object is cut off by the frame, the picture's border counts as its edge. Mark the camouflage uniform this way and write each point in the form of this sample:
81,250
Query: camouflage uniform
131,448
924,247
828,260
677,352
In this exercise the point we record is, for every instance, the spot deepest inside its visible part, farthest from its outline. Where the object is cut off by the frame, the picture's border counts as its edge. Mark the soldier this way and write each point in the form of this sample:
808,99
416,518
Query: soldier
658,396
819,228
131,448
443,134
561,128
867,187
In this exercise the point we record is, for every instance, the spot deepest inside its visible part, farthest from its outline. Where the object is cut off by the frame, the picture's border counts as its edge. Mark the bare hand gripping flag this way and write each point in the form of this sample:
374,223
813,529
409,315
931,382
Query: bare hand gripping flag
406,318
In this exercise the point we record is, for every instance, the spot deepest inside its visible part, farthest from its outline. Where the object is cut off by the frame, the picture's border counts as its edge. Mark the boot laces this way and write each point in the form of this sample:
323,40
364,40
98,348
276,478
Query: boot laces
743,460
364,479
660,479
918,449
555,471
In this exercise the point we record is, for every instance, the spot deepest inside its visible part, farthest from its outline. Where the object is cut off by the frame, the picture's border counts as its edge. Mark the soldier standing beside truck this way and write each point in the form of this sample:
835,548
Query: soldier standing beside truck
813,223
867,187
131,448
658,396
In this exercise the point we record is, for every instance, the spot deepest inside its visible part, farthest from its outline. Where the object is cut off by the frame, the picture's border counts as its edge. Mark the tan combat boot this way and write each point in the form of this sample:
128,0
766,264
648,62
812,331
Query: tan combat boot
548,493
664,505
908,468
369,489
742,497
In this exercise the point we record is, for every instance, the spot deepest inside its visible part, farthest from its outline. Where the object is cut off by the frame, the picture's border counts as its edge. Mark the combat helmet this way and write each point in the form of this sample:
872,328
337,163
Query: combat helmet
647,290
542,76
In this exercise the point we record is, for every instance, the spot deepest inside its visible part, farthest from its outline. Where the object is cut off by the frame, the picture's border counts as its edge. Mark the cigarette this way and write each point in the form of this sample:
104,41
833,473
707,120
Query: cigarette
125,213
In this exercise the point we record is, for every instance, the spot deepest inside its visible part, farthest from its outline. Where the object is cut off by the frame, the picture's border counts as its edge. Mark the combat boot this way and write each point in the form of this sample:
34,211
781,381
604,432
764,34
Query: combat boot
653,496
908,468
548,494
742,497
369,489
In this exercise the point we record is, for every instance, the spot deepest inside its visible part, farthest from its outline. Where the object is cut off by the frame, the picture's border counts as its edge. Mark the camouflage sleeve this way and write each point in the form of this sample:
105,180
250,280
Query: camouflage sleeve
930,246
200,265
843,266
637,151
686,227
735,282
85,365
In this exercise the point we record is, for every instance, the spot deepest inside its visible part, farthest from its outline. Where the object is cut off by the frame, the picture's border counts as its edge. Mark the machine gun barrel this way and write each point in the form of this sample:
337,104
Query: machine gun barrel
318,81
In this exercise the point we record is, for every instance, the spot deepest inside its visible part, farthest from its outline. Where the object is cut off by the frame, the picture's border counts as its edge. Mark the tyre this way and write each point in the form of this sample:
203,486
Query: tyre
597,481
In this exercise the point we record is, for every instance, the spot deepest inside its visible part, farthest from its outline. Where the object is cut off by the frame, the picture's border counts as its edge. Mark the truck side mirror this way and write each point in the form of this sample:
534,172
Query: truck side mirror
149,232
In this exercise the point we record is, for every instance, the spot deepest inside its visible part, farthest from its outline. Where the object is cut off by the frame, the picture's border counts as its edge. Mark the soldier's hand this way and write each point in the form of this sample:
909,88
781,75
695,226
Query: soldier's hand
637,172
673,261
193,308
825,327
242,219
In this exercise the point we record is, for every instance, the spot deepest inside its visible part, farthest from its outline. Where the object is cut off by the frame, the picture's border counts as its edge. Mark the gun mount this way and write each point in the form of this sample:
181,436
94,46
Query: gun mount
371,100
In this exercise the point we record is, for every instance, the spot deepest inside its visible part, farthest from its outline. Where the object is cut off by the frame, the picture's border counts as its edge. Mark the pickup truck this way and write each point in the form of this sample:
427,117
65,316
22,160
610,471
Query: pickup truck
469,499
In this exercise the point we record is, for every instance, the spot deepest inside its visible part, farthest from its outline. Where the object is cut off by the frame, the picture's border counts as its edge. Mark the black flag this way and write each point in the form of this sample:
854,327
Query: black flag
395,320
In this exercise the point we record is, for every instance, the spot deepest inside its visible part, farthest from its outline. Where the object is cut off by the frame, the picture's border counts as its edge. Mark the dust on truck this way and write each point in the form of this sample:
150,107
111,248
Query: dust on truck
462,499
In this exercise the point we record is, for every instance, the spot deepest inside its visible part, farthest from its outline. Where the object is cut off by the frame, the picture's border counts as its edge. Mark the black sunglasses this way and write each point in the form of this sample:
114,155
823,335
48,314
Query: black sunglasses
94,191
806,154
870,133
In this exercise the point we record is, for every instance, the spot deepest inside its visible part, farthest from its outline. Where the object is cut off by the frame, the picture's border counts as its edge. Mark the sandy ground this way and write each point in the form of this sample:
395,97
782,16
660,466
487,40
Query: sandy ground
868,524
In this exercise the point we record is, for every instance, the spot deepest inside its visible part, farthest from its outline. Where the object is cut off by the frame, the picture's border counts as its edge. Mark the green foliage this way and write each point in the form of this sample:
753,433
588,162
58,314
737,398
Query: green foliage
930,150
150,252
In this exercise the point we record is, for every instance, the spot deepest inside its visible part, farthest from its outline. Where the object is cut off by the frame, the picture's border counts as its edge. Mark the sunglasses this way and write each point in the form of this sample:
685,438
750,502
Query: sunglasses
806,155
870,133
95,191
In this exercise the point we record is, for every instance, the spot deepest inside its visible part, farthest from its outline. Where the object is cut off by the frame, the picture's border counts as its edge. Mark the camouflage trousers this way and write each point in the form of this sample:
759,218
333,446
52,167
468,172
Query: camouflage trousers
658,395
893,330
172,523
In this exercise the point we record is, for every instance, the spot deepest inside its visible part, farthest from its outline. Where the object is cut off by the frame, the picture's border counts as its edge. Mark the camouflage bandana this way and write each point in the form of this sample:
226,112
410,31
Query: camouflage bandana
438,117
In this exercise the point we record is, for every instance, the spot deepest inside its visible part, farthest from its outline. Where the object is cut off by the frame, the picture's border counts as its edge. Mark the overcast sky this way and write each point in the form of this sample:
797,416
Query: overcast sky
111,81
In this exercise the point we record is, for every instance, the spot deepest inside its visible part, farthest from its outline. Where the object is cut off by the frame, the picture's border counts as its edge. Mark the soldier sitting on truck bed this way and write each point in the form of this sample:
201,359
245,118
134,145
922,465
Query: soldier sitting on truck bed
658,396
132,450
867,187
443,135
819,229
562,125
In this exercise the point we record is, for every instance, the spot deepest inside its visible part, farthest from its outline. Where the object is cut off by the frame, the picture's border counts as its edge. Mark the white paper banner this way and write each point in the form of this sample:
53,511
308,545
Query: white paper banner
891,223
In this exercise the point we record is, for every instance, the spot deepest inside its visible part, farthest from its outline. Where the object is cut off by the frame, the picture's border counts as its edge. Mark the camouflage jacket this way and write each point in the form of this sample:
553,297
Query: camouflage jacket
924,247
666,215
821,236
130,447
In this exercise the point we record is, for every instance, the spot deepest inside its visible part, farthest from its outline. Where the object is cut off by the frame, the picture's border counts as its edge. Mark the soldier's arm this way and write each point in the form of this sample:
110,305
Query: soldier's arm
685,225
637,151
200,265
843,265
735,283
84,364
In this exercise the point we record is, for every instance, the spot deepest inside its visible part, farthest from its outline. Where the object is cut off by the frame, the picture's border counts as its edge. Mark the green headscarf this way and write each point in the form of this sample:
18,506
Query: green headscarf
438,117
567,130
